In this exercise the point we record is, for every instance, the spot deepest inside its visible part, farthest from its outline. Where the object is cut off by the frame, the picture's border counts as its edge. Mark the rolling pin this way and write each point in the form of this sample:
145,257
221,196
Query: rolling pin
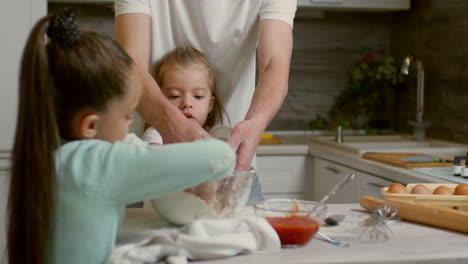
421,213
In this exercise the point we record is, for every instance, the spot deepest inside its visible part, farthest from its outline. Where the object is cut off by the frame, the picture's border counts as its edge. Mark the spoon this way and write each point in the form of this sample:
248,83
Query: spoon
331,240
335,219
335,188
338,186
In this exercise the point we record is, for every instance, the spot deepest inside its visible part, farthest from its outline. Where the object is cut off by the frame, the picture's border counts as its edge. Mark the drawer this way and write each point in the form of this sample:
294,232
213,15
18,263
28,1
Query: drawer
369,185
325,175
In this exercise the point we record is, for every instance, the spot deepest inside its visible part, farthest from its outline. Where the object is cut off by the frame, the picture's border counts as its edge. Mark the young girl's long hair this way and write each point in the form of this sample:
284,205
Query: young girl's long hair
63,70
187,56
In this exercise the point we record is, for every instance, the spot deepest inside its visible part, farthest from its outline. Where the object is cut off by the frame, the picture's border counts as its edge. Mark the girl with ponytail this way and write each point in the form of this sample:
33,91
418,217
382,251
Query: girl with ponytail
71,173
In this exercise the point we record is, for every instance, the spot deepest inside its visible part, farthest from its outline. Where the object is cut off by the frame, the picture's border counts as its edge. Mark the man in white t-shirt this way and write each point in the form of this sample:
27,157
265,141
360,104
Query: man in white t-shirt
228,32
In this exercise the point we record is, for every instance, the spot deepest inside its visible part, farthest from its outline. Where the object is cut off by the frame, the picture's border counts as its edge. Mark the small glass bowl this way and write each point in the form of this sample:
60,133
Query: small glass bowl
288,218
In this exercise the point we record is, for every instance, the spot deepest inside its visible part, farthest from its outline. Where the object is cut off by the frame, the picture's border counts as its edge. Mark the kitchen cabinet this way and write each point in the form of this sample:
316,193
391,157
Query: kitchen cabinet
83,1
325,174
356,5
321,5
16,20
4,184
369,185
282,176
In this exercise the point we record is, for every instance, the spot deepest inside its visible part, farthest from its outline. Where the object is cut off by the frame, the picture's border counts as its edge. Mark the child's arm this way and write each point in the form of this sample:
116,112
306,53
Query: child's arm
124,174
207,190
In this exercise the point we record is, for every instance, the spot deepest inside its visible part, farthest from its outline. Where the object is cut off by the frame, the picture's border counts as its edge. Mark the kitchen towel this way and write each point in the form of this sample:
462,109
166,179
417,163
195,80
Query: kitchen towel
201,240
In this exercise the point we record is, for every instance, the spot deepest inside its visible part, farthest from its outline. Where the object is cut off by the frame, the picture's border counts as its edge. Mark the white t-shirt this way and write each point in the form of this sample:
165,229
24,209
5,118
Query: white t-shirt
226,31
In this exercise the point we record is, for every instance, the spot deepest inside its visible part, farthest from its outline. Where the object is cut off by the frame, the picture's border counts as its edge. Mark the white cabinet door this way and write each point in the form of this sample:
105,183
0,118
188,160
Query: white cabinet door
4,180
282,176
16,20
325,175
370,185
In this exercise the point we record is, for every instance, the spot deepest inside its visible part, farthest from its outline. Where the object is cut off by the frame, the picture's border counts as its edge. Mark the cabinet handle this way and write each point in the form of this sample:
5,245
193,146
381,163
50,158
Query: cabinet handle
335,171
375,185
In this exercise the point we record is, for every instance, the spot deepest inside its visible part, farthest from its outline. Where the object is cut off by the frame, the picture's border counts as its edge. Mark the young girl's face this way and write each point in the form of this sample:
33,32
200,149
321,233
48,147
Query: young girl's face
113,124
189,89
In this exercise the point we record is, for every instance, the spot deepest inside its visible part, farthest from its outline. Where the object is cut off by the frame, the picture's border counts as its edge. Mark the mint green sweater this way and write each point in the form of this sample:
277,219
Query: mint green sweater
96,179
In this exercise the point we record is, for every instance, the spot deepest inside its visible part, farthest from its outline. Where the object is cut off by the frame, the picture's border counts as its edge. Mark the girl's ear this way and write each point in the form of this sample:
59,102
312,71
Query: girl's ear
88,126
211,103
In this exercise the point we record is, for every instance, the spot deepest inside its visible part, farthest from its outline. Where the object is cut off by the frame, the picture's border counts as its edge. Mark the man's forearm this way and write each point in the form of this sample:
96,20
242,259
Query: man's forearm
153,106
274,60
267,100
132,31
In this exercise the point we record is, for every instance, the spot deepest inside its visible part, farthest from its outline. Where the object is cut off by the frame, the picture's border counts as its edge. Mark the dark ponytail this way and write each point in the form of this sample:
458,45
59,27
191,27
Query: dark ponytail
32,175
63,71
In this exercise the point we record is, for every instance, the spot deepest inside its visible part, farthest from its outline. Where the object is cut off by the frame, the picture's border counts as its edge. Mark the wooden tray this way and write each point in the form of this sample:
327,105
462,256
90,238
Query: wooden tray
422,213
394,159
459,202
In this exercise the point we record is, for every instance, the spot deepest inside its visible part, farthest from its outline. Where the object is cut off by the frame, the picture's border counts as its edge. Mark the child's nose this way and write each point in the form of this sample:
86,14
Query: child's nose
186,104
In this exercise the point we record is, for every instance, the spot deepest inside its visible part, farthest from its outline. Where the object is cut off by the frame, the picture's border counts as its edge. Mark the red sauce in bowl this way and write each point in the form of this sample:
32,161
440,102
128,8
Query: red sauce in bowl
294,229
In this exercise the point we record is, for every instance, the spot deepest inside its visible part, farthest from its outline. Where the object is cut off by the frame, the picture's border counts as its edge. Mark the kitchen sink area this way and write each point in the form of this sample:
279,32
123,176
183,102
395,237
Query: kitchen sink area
400,143
359,143
314,158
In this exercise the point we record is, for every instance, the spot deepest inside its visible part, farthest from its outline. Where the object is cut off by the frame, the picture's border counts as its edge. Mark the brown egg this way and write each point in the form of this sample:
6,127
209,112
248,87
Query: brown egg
397,188
462,189
462,192
420,189
442,190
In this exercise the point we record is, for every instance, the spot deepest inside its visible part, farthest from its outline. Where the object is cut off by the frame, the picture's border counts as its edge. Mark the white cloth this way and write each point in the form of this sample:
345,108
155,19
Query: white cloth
226,31
203,239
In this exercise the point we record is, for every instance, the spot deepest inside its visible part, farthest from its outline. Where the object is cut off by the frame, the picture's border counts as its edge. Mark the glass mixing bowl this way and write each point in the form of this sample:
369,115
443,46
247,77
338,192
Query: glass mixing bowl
222,198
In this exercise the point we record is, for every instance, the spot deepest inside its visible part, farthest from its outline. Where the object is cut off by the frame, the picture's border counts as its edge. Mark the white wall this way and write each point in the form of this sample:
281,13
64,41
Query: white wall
16,19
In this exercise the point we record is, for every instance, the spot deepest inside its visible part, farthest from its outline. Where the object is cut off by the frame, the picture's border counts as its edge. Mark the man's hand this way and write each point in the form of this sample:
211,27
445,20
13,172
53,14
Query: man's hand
176,127
244,140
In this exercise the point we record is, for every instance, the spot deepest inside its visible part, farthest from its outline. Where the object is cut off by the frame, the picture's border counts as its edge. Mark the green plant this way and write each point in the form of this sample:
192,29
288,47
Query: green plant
369,94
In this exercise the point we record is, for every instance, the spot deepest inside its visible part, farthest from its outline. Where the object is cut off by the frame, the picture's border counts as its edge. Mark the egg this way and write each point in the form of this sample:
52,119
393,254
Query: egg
420,189
397,188
462,189
462,192
442,190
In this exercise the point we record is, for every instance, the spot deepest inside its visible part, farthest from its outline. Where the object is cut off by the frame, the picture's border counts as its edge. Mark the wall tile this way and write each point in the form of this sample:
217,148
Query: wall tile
436,32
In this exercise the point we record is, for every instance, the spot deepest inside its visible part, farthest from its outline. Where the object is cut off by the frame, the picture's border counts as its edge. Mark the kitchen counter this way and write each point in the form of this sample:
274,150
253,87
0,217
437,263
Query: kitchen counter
300,142
287,146
408,242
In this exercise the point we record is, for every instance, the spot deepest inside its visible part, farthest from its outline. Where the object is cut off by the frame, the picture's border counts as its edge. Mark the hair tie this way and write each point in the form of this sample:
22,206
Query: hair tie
64,30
